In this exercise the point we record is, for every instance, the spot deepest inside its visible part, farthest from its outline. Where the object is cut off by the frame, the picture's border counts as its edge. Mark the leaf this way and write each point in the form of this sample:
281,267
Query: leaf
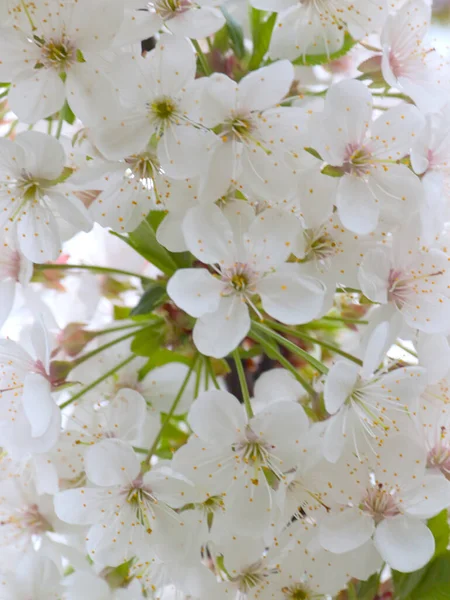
367,590
435,584
67,114
235,33
332,171
147,341
322,59
121,312
405,583
440,529
153,296
161,357
261,34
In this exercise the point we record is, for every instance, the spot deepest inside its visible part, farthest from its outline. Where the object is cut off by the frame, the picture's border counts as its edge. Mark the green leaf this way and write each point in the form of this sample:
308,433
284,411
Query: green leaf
261,28
367,590
405,583
221,41
332,171
153,296
309,60
147,341
67,115
121,312
161,357
235,33
435,583
143,240
441,531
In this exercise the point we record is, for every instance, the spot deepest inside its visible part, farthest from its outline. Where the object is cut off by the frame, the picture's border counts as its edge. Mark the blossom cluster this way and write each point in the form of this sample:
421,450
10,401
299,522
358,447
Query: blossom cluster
224,299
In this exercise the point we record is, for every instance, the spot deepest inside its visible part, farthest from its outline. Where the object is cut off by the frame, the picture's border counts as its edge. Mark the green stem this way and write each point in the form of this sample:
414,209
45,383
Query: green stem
405,349
210,370
96,268
114,329
95,383
286,364
345,320
202,58
60,125
292,347
88,355
26,11
172,410
243,383
308,338
198,377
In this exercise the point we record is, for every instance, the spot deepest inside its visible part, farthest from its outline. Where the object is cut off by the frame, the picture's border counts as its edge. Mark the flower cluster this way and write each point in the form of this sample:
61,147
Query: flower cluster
224,300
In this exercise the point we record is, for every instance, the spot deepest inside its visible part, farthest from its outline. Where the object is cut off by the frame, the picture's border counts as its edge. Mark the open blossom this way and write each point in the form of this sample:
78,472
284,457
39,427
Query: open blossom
160,104
127,511
247,150
386,499
245,263
57,56
194,19
318,27
35,576
32,198
412,280
408,63
373,185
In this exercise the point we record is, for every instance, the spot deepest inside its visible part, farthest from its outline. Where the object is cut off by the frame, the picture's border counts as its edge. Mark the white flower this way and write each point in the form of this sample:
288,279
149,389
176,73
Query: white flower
160,104
246,264
388,500
29,418
412,279
408,64
35,577
372,185
30,196
318,26
83,584
128,511
249,150
366,403
57,56
195,19
231,453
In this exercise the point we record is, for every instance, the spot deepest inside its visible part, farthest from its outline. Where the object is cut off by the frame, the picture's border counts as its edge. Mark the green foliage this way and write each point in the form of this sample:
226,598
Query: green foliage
261,25
432,582
235,34
153,297
367,590
148,340
67,114
161,357
309,60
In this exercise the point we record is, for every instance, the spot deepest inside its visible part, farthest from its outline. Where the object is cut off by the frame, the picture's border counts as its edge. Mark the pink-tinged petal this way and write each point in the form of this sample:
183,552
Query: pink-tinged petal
111,462
43,155
36,95
217,418
358,209
219,333
406,544
339,385
291,297
265,87
195,291
37,403
346,530
209,235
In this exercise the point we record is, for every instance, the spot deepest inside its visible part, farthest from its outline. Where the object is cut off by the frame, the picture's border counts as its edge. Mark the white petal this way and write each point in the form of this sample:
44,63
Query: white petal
126,414
182,151
44,155
219,333
38,234
7,295
339,385
375,348
111,462
406,544
38,403
71,209
173,61
195,291
208,235
346,530
434,355
357,207
197,24
217,417
265,87
374,273
432,497
335,435
37,95
277,385
82,506
291,297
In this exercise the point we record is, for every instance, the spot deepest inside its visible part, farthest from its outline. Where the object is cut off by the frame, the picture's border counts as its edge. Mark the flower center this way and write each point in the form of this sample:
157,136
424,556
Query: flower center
254,575
439,456
319,245
297,591
163,109
356,160
167,9
239,278
29,519
56,53
380,503
402,285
